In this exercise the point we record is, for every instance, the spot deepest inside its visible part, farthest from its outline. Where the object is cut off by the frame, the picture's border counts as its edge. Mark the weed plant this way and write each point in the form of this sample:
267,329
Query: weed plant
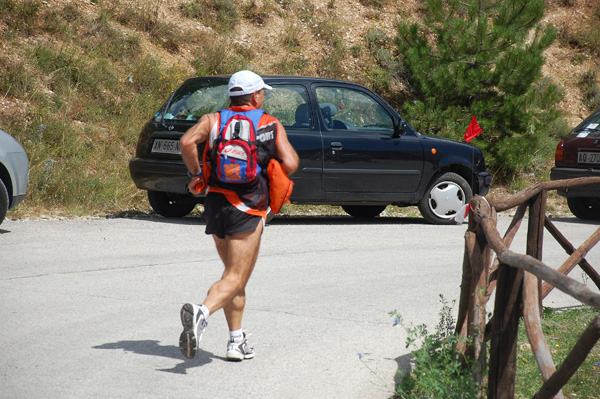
588,82
377,4
387,66
221,15
212,58
439,370
258,15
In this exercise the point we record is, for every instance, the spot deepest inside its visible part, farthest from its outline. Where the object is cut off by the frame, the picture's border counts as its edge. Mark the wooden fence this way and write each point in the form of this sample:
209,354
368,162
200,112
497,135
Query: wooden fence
517,279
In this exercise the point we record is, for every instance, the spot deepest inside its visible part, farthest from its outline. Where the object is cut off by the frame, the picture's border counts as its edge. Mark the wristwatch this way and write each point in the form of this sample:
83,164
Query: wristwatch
196,175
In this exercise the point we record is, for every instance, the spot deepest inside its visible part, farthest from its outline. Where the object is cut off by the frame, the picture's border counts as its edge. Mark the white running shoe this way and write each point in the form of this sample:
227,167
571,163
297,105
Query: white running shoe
239,349
194,323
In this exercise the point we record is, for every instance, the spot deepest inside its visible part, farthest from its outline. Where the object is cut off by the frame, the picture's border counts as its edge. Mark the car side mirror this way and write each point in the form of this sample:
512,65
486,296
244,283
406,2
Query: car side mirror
399,128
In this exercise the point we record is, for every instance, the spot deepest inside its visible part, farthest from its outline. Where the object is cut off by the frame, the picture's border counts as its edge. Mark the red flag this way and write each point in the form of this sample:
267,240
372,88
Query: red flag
473,130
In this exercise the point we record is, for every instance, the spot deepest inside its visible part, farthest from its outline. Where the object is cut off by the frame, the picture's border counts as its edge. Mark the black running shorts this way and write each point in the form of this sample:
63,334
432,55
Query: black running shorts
223,219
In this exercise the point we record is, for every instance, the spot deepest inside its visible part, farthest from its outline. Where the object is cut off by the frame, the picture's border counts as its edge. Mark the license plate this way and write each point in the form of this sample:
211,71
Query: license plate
588,157
165,146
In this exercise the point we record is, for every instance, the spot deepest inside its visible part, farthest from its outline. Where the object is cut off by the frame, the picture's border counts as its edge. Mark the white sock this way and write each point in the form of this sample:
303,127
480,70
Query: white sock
205,311
236,335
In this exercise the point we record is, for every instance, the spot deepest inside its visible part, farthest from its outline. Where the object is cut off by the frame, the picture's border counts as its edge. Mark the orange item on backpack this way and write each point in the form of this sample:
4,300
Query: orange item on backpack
280,185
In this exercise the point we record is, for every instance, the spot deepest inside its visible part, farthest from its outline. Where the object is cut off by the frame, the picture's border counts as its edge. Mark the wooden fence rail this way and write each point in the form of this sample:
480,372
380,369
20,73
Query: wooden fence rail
490,265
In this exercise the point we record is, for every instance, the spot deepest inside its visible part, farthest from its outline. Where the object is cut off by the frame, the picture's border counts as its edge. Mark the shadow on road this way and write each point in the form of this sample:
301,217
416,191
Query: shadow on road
284,220
404,367
342,220
153,348
339,220
573,220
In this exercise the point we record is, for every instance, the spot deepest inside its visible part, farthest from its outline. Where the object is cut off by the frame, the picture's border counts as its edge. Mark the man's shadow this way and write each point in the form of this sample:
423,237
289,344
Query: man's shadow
153,348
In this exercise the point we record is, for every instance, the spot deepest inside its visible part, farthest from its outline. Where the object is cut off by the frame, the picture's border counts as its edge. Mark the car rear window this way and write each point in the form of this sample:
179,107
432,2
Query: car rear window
193,100
590,124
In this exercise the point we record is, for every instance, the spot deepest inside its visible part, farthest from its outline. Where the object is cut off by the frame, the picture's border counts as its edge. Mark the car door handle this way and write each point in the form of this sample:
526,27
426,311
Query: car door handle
336,146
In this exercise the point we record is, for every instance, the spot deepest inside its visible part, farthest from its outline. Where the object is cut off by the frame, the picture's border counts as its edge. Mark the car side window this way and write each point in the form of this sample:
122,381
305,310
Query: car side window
289,104
349,109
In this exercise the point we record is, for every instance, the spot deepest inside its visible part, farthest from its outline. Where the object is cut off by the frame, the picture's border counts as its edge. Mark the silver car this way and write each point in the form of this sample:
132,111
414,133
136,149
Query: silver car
14,173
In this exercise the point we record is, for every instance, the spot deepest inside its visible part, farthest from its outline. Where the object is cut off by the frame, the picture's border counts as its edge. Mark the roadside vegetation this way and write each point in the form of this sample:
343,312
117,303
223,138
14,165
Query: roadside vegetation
79,79
439,372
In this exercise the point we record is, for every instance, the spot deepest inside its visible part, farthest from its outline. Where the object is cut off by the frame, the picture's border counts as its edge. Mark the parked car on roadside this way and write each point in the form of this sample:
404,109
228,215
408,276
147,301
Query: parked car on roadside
14,173
355,150
578,155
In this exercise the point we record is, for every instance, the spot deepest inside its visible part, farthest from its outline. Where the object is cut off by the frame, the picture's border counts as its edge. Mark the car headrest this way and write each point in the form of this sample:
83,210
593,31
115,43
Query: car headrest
328,109
302,115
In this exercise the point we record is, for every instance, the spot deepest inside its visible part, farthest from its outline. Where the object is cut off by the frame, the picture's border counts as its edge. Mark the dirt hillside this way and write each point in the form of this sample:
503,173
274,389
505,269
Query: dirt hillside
565,63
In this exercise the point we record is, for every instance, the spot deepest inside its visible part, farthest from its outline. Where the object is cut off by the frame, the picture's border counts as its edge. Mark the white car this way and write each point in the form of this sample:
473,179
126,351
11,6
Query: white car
14,173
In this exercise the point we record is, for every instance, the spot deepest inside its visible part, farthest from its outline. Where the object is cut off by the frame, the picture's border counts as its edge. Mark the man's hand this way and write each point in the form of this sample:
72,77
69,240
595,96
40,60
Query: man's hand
197,185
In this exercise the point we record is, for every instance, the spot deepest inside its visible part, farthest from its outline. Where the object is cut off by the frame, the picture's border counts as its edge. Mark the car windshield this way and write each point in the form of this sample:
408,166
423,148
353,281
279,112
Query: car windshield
590,124
195,99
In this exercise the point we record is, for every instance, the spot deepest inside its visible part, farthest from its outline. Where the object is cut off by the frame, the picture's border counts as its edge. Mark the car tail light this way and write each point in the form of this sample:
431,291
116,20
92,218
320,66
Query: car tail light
558,156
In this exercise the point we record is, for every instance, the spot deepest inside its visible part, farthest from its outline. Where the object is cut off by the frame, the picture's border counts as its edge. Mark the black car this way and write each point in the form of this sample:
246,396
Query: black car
578,155
355,150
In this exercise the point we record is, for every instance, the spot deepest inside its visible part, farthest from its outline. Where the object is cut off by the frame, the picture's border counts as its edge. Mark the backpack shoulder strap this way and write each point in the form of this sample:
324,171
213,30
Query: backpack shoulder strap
254,115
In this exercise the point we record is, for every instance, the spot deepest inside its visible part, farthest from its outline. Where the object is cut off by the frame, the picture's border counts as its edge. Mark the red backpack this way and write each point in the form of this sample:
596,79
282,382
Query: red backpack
234,156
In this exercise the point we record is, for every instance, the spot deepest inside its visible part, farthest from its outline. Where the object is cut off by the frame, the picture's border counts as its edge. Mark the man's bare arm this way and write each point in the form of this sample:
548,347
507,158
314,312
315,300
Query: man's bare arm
195,135
285,151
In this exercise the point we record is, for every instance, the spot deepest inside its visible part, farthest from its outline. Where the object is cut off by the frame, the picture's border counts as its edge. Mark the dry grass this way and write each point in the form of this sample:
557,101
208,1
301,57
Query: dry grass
91,72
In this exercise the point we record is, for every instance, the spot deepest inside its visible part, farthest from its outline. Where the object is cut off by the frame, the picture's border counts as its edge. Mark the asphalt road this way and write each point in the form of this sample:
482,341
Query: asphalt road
90,307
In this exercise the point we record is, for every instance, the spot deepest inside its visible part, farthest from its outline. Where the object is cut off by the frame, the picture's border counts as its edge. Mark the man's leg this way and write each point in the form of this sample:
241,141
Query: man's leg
234,310
239,253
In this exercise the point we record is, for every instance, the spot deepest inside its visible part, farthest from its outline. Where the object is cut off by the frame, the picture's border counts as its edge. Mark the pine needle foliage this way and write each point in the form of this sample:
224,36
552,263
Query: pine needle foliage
484,58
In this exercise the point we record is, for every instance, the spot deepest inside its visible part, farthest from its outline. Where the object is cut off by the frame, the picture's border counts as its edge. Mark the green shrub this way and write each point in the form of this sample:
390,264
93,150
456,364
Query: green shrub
291,37
20,15
378,4
16,80
291,64
588,82
439,370
388,65
145,16
462,63
258,15
212,58
221,15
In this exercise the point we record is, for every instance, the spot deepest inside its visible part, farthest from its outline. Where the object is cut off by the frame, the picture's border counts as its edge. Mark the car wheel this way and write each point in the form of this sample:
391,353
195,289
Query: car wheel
444,197
171,205
586,208
363,211
3,201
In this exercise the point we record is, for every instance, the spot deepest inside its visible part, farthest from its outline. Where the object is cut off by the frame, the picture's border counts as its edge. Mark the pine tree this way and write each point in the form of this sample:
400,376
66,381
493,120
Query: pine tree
482,58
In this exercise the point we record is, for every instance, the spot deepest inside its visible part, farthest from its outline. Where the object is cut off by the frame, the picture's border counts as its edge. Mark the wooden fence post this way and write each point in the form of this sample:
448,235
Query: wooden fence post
505,326
532,301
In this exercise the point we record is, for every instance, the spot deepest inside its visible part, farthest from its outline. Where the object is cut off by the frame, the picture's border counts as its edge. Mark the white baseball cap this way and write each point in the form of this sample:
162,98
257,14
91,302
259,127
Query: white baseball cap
245,82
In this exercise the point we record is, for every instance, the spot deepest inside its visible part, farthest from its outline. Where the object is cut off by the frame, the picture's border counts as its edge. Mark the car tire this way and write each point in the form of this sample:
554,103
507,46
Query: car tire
586,208
444,197
364,211
171,205
3,201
